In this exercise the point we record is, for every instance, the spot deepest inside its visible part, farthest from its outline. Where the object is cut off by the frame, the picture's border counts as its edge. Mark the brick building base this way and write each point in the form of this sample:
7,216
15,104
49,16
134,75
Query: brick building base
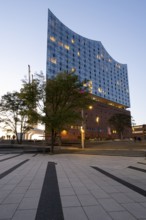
96,123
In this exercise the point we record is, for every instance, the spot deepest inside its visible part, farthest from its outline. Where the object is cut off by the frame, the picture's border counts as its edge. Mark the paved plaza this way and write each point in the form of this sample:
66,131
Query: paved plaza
37,186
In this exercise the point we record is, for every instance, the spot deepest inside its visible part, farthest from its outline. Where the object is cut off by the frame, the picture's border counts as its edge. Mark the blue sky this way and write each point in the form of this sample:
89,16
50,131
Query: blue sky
119,24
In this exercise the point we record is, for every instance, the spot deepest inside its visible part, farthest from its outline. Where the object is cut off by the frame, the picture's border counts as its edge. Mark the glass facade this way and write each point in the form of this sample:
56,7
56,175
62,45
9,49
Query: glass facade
68,51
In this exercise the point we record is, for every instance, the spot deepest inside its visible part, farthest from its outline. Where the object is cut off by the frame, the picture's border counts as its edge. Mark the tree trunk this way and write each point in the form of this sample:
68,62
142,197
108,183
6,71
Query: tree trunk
21,136
17,139
53,135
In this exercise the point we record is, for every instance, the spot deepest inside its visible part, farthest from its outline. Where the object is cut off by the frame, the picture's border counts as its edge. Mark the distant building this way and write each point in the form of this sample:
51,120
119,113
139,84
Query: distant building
106,78
139,131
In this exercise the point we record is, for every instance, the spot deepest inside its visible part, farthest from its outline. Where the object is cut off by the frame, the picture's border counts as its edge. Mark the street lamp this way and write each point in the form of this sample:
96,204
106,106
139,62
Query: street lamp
97,120
90,107
83,130
83,127
82,137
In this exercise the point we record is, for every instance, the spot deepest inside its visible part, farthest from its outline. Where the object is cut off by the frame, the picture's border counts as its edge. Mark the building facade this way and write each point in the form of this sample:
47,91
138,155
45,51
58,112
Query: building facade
106,78
139,132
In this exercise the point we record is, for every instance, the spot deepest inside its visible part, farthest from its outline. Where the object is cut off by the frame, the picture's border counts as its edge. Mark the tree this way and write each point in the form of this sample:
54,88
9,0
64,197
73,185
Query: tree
56,102
29,93
14,115
120,122
65,97
59,101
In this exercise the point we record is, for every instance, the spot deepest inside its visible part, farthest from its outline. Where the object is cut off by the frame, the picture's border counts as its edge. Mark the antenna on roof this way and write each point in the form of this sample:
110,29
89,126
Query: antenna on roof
29,74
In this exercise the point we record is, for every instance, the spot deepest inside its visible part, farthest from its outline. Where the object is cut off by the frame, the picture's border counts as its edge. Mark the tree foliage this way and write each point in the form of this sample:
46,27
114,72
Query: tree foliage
30,94
59,101
65,97
13,110
56,102
120,122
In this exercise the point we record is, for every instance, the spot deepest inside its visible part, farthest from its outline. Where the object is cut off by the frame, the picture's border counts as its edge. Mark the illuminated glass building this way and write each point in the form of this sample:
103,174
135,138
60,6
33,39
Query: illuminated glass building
107,78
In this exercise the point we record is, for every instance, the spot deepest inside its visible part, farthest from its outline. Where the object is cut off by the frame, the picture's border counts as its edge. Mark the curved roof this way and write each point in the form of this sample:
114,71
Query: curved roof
85,38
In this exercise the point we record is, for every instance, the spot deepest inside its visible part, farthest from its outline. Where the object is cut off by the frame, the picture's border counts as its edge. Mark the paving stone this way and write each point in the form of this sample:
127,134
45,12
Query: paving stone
4,194
70,201
13,198
67,191
136,209
143,204
25,183
24,215
96,213
99,194
110,205
81,190
109,189
122,215
91,186
36,186
33,193
87,200
122,188
20,189
7,210
136,197
74,213
75,184
9,187
29,203
121,198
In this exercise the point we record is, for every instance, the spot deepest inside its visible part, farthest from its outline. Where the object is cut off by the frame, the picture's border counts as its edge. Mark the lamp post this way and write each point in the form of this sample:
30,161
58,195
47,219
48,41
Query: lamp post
97,120
83,127
82,137
83,130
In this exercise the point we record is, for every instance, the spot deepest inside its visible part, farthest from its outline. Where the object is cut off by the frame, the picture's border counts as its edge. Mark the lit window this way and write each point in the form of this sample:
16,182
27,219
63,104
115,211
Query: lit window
78,53
97,119
118,83
100,90
98,57
66,47
90,86
73,70
90,107
53,60
118,65
60,44
64,132
52,38
72,40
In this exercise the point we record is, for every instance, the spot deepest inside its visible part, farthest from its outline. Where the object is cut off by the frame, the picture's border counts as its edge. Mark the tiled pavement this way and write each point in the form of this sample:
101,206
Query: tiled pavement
85,192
